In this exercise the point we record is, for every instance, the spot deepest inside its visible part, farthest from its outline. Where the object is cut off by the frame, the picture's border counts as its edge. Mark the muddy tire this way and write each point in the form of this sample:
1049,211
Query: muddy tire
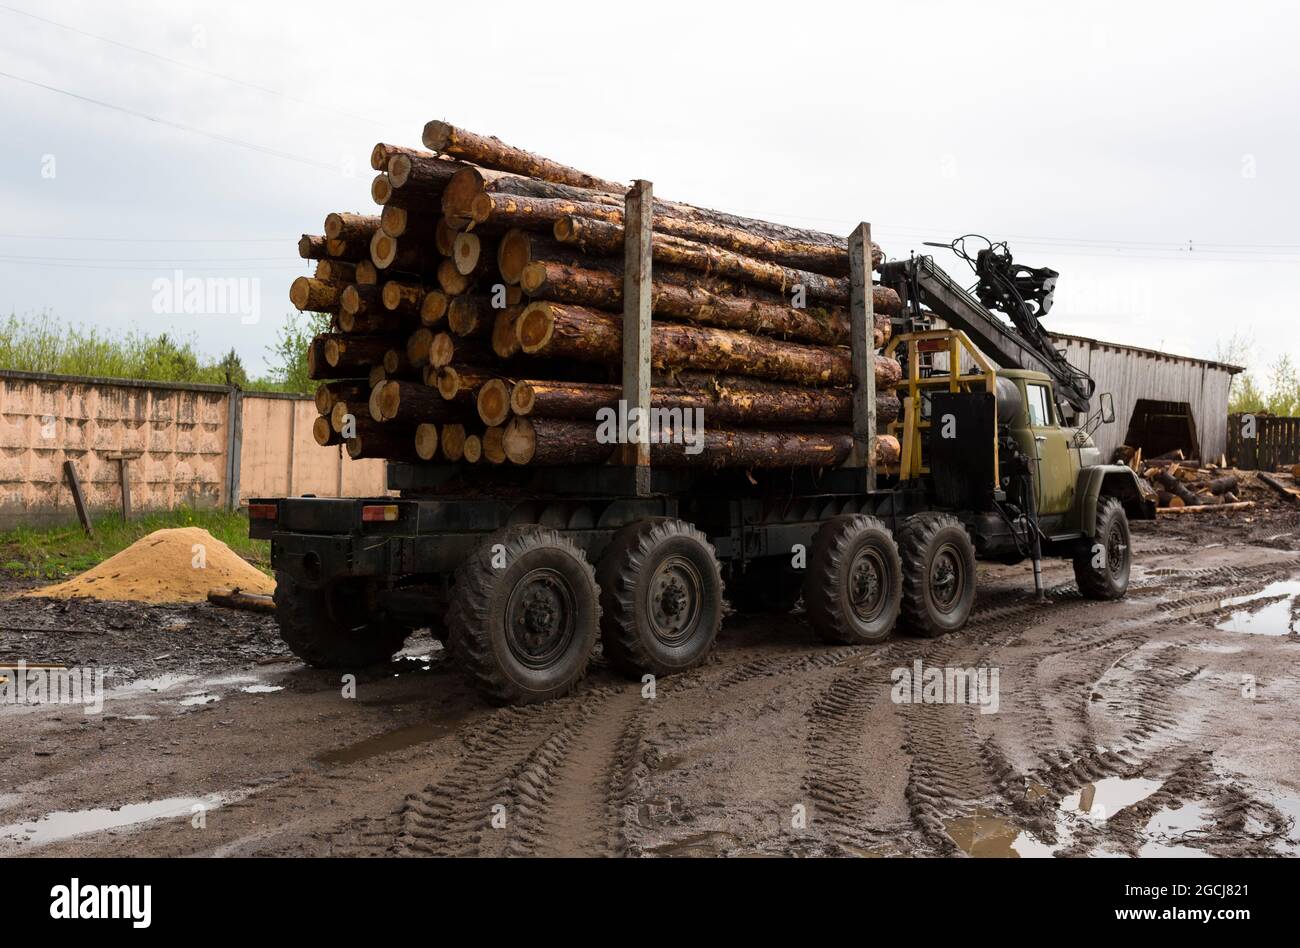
661,597
334,626
938,574
1102,563
769,585
524,616
853,588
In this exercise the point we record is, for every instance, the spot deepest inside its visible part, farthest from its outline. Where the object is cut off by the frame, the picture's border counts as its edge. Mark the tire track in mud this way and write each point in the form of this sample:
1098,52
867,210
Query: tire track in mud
549,779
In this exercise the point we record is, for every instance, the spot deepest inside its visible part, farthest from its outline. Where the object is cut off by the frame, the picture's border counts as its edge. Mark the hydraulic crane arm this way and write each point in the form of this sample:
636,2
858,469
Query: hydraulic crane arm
1022,293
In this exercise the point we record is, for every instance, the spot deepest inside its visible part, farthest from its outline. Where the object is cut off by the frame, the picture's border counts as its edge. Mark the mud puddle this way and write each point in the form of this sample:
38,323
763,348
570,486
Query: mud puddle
987,835
1277,617
386,743
65,824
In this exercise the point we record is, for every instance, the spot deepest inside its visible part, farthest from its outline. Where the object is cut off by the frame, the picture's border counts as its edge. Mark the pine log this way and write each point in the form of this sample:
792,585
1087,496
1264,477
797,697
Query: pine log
421,176
413,401
460,385
601,289
381,190
494,450
355,354
311,247
547,441
493,402
335,271
383,153
406,255
534,213
1223,485
316,296
390,442
433,307
588,335
323,432
317,367
401,297
357,300
467,252
377,373
493,153
728,401
350,227
453,441
601,237
367,273
350,248
472,450
327,393
397,366
426,440
397,221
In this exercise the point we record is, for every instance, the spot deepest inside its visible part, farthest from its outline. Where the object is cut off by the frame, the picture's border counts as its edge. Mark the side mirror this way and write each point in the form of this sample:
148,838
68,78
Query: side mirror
1107,409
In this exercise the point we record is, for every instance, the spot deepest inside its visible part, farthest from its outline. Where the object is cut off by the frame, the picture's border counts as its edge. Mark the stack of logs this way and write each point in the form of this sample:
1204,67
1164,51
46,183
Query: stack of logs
1182,485
477,318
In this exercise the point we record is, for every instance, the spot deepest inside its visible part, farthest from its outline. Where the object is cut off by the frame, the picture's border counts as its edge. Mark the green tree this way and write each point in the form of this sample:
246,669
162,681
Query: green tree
288,355
1283,388
1244,395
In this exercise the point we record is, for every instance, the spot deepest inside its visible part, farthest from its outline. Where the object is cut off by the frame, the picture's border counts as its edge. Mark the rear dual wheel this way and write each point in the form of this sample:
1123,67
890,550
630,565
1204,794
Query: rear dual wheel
854,584
660,596
524,615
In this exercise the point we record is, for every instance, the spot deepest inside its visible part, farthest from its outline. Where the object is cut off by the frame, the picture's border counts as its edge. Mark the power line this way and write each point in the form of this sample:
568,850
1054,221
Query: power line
184,65
177,125
149,240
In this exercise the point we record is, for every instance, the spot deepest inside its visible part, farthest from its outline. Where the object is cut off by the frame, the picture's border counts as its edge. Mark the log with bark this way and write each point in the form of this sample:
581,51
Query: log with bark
583,334
604,289
489,152
724,400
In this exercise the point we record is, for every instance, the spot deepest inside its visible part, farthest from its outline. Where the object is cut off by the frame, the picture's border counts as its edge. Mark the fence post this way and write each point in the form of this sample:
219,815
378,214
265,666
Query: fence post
234,444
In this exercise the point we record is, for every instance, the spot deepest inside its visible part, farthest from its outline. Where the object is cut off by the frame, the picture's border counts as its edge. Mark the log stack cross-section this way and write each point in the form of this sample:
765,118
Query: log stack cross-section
478,319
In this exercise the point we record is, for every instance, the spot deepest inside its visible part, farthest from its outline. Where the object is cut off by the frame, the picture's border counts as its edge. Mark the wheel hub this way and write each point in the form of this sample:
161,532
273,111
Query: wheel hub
947,578
676,594
867,584
540,618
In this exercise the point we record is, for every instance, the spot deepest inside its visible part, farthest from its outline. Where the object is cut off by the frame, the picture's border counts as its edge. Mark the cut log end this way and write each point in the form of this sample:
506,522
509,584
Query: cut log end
453,442
494,402
523,398
535,326
441,350
494,448
520,441
473,448
323,432
426,441
466,251
434,307
381,189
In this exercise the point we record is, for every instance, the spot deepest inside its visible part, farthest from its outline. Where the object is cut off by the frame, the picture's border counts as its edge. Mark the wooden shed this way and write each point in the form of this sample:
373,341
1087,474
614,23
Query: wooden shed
1163,402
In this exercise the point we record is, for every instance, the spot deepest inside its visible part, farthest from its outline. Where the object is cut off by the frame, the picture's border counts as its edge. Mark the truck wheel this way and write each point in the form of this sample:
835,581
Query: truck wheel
938,574
523,616
854,584
333,627
768,585
1101,565
661,597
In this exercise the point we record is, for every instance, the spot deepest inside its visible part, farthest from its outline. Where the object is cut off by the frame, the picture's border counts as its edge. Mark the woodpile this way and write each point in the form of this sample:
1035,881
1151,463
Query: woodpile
1182,486
477,320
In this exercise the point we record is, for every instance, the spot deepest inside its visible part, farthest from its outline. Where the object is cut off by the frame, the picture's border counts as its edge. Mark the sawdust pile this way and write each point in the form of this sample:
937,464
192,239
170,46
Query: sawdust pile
176,565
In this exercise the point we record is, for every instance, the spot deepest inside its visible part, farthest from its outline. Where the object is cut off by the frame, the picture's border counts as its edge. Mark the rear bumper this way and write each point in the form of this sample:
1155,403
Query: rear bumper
315,559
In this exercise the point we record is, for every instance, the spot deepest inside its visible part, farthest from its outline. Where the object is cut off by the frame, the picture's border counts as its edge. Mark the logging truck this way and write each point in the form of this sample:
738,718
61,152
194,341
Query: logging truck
524,571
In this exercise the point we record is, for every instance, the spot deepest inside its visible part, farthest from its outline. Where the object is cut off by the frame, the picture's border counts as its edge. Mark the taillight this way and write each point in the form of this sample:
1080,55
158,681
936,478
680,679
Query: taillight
381,513
261,511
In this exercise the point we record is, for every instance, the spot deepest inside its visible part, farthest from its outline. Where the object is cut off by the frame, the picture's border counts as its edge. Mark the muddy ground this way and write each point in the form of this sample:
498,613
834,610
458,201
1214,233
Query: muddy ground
1163,724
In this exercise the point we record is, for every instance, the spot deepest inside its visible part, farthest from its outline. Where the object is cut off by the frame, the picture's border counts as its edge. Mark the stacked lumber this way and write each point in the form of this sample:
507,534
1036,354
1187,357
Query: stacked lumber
477,319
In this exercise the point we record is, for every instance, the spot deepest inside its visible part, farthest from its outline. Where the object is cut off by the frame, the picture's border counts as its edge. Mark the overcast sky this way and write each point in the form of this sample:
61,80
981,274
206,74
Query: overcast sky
1147,151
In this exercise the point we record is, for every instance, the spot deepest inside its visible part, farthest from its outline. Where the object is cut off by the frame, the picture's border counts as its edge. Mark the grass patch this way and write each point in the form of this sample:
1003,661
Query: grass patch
60,552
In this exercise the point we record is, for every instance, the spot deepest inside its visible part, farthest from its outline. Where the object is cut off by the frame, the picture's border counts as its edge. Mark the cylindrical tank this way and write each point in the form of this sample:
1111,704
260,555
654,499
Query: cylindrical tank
1010,401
